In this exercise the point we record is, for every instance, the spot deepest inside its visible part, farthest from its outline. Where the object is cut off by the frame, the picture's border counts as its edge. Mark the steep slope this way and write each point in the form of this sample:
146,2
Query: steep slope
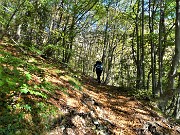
40,97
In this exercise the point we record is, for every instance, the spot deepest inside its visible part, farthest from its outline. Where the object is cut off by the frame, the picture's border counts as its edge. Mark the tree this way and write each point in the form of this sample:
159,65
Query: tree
161,43
174,68
152,11
142,46
5,25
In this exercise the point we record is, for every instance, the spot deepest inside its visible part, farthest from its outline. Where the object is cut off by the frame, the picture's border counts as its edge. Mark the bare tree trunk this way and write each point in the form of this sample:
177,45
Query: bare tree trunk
138,62
176,111
105,41
161,42
142,46
153,59
110,59
18,33
112,47
177,107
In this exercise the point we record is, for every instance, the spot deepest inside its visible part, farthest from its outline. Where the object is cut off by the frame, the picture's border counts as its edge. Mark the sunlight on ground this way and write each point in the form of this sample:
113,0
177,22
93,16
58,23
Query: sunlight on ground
83,104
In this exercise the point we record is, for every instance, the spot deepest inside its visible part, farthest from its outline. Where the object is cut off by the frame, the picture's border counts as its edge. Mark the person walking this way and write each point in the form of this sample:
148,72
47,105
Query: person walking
99,68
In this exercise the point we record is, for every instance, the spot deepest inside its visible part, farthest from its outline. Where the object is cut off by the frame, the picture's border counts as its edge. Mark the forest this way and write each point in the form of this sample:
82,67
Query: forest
138,42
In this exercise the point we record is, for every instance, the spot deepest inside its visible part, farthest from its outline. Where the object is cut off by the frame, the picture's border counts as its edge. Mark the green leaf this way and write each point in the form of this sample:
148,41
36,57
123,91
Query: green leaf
10,82
1,82
28,76
27,107
35,86
24,89
16,72
1,69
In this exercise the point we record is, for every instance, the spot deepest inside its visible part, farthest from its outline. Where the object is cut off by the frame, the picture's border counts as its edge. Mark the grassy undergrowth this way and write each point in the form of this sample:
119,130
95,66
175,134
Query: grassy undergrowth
24,91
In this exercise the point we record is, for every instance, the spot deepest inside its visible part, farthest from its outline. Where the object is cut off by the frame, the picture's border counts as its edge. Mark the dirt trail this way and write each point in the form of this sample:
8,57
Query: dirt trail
106,110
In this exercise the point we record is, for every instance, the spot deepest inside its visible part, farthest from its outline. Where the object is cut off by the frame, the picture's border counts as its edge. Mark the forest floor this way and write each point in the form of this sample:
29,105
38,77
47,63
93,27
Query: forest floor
83,106
107,110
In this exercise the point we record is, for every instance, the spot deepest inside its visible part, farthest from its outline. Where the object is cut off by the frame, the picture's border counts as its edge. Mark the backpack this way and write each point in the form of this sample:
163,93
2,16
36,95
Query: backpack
99,66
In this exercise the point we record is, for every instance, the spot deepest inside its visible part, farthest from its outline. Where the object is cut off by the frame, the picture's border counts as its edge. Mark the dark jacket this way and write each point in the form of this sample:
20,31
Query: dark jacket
98,67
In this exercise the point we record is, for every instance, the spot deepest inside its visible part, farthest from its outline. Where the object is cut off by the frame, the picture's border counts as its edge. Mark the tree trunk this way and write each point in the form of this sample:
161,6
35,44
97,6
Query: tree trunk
110,59
152,44
105,42
176,111
177,107
18,33
12,16
138,64
176,57
161,42
142,46
171,91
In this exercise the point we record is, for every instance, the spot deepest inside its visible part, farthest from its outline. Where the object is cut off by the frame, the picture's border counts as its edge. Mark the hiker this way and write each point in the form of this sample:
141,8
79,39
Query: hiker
99,68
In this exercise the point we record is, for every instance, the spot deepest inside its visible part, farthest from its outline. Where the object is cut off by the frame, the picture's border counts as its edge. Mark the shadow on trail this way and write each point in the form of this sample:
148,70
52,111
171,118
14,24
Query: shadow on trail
128,115
103,109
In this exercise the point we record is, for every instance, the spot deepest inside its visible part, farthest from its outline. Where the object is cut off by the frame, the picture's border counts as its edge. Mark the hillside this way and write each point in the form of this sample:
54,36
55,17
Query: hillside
44,98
